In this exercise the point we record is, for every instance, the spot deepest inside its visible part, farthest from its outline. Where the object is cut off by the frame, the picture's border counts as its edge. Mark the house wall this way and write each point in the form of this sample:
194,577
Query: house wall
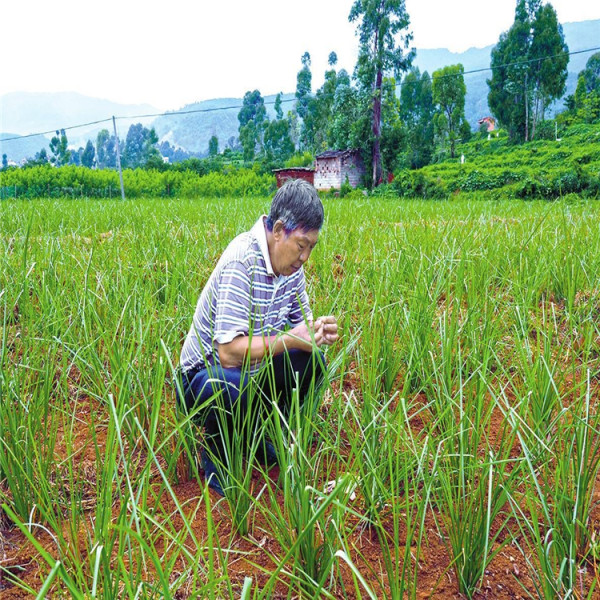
353,169
283,176
331,172
327,173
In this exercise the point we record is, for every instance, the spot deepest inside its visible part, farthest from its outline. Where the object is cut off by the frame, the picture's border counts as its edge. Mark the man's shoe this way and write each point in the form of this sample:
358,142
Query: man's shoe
266,454
211,473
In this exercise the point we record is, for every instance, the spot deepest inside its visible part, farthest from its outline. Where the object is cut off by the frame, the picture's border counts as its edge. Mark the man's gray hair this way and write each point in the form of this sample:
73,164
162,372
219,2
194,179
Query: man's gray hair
296,204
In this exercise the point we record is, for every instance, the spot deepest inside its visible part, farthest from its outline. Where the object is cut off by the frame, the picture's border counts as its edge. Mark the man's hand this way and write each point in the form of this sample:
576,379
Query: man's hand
327,327
324,331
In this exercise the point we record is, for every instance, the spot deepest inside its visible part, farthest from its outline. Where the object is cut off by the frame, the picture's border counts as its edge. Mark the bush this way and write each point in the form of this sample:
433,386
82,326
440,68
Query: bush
71,181
300,159
546,130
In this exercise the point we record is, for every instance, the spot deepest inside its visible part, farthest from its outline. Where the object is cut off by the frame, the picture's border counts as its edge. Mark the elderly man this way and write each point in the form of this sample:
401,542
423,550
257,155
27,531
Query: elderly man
254,310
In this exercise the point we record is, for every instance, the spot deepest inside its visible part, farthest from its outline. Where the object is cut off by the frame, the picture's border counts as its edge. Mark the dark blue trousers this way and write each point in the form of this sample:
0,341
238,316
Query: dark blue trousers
275,382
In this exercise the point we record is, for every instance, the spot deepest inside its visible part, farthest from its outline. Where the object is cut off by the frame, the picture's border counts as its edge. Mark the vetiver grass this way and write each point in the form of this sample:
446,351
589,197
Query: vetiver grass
462,402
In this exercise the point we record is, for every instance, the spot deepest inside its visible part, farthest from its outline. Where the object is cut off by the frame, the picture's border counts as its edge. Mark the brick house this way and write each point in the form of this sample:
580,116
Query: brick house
333,167
306,173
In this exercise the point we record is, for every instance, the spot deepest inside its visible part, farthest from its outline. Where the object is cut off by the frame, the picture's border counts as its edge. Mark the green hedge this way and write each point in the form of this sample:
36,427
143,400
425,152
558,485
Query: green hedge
50,182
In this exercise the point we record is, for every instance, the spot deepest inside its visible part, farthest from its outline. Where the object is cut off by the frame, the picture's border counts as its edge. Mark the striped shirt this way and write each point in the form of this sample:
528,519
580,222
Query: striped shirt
242,296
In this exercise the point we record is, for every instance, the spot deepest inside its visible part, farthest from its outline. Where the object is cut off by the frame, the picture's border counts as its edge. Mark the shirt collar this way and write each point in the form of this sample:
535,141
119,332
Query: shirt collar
259,233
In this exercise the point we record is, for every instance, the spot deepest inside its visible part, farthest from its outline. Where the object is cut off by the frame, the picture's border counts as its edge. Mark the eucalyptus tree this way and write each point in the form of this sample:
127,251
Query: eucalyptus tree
59,149
253,122
384,39
106,150
448,93
140,146
305,104
585,103
88,155
416,112
345,114
213,146
278,142
529,69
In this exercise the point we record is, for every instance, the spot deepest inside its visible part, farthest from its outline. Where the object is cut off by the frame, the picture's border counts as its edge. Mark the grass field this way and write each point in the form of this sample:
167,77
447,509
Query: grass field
454,452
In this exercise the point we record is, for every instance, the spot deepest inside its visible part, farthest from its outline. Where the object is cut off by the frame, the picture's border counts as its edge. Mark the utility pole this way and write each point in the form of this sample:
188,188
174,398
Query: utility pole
119,159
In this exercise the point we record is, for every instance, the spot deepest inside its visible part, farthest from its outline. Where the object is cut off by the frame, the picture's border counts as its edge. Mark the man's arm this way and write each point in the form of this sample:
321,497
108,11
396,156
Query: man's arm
323,331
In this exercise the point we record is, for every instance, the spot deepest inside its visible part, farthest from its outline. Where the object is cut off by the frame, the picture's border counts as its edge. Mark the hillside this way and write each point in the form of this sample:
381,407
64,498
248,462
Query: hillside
26,112
20,149
211,117
539,169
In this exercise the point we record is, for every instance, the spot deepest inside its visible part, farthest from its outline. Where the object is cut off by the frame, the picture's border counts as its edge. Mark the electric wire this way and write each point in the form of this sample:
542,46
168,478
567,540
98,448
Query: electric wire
283,101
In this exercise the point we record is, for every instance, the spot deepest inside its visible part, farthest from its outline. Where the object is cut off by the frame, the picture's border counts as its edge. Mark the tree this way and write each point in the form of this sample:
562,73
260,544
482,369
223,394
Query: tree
76,157
88,154
448,91
586,101
591,74
277,141
213,146
277,106
322,107
305,104
344,116
106,150
140,146
416,112
529,69
303,86
392,132
40,159
550,56
4,161
59,148
381,22
253,120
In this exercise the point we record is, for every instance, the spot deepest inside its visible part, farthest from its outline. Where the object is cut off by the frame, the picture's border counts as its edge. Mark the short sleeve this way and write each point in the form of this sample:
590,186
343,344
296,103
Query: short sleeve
232,315
300,309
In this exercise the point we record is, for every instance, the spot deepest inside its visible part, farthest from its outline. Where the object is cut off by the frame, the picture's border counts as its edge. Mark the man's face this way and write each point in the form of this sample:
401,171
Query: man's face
291,251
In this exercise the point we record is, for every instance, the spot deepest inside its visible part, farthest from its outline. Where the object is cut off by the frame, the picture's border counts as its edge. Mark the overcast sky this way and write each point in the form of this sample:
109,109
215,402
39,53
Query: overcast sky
175,52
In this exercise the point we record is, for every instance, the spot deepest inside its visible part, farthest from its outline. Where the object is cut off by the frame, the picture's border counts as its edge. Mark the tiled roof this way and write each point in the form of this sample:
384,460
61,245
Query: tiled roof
336,153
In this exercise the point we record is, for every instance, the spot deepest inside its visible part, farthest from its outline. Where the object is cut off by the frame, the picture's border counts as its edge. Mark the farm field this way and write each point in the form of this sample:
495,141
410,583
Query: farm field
453,452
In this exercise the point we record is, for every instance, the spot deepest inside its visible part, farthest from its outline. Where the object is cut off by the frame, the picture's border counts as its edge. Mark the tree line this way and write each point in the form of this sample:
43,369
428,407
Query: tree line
398,117
425,120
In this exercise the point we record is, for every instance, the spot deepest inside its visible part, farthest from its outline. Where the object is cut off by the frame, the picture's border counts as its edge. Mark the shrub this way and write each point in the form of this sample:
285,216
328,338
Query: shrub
71,181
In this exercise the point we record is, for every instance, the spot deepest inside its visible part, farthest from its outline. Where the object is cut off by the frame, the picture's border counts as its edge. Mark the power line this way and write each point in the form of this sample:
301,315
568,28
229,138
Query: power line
505,65
154,115
529,61
20,137
238,106
200,110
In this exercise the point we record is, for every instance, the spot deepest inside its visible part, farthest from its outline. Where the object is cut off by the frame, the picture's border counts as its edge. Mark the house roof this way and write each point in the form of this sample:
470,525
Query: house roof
308,169
336,153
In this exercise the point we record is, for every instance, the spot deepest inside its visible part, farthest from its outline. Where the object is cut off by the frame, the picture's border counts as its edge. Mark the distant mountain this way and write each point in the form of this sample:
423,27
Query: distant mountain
193,130
579,36
24,147
26,112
